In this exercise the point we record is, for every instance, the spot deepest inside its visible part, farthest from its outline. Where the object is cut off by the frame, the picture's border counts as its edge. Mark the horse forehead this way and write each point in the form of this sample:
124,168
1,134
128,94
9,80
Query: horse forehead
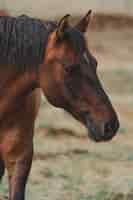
75,39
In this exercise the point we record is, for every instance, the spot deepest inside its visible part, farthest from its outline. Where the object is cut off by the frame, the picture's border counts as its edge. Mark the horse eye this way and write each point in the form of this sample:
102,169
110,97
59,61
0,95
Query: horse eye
72,68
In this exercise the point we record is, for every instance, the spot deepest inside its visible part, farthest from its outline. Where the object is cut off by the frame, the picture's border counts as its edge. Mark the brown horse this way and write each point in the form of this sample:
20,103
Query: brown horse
53,57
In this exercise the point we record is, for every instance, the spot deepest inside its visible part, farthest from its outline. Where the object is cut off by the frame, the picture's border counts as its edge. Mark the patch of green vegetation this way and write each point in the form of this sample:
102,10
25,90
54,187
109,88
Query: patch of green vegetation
101,195
130,157
123,130
104,195
47,173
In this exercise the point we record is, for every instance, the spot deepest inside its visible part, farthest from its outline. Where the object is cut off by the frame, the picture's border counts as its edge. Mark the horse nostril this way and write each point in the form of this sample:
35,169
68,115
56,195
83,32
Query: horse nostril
111,127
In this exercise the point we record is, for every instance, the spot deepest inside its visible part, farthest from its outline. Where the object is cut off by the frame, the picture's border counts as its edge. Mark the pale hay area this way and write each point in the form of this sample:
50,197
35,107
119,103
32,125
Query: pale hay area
67,165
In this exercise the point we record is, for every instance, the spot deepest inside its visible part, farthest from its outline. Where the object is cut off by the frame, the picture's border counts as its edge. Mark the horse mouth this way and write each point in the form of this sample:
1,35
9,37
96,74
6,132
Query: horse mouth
93,132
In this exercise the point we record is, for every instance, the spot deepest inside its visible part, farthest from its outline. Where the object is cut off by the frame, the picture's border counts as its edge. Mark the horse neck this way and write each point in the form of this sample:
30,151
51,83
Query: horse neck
18,86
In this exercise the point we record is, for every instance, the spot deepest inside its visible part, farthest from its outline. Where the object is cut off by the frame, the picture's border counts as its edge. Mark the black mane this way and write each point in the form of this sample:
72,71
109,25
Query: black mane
23,40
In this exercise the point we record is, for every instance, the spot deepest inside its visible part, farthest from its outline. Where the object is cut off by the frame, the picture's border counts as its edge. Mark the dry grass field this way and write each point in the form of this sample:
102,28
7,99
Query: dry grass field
67,165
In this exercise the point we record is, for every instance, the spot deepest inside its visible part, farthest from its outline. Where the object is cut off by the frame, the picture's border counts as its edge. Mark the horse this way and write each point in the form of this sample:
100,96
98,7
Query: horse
50,57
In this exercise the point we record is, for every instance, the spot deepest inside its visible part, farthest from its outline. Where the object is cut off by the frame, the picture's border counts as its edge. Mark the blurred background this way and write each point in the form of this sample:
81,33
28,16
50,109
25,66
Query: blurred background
45,8
67,165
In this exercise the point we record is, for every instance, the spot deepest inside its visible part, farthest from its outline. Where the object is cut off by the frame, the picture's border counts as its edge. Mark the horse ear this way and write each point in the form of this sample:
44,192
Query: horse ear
84,22
62,26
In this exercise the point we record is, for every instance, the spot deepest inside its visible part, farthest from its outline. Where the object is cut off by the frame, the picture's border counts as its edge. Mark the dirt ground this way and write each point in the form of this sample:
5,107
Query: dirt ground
67,165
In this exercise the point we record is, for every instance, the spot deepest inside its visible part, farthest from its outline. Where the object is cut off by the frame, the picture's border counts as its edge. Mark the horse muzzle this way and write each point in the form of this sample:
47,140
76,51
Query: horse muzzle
104,132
